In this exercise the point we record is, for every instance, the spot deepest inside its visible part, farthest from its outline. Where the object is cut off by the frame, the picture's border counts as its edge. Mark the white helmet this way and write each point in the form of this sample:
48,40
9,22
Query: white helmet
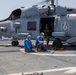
29,36
42,34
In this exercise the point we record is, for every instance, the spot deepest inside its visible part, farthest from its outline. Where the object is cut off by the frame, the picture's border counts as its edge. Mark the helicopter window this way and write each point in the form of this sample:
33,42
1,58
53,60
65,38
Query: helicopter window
3,29
69,9
15,14
31,26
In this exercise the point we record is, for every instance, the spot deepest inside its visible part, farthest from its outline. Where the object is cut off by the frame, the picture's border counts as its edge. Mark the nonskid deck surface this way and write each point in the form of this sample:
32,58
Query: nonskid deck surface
13,61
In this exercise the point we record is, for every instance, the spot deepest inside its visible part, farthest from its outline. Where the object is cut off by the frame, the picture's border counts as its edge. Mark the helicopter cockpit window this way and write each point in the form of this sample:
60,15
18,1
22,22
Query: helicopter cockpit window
15,14
31,26
3,29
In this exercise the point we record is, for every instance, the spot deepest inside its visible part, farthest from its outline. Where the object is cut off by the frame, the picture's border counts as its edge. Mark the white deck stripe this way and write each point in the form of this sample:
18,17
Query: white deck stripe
69,70
47,54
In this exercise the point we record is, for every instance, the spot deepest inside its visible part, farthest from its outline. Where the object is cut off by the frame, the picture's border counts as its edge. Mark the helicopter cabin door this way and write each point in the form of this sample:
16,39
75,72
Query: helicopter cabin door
47,26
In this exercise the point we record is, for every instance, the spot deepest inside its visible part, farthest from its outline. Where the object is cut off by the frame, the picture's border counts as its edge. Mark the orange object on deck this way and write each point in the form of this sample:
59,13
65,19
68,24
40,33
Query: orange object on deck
62,48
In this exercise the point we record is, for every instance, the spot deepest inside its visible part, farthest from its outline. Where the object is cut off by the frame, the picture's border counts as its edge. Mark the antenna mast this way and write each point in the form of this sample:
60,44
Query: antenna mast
56,3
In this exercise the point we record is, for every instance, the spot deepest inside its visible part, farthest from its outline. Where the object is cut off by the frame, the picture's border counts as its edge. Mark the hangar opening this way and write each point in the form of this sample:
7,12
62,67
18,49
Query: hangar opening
47,24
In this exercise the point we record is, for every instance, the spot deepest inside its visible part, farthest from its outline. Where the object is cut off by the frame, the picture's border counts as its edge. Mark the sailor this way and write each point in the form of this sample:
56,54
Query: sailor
28,44
47,34
40,42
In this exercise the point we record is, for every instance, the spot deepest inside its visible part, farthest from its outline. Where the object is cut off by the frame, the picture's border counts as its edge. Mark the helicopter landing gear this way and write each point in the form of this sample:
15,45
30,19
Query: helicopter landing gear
57,43
15,43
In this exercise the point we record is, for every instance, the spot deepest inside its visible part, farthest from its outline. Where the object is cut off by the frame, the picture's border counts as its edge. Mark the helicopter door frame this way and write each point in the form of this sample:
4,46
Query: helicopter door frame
47,22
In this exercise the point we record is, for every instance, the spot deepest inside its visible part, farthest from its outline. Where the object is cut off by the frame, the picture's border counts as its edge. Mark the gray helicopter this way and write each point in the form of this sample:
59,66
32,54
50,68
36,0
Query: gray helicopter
61,22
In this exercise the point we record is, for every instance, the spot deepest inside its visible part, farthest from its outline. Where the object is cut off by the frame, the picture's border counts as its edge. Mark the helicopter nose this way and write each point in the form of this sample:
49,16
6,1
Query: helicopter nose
5,28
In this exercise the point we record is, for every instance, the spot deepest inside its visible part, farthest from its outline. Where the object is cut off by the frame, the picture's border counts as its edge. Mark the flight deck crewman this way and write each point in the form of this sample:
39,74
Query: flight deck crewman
47,34
28,44
40,43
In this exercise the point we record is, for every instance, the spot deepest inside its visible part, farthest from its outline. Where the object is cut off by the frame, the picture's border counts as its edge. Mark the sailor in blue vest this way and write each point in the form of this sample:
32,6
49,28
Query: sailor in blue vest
40,42
28,44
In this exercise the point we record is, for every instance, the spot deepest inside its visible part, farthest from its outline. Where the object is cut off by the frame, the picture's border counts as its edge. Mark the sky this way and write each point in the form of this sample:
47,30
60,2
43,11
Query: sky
7,6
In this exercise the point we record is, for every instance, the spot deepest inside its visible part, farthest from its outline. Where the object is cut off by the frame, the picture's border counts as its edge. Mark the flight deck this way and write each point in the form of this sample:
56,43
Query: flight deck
14,61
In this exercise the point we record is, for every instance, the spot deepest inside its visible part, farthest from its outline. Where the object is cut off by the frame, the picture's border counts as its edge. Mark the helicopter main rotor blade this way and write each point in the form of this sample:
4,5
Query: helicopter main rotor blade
47,1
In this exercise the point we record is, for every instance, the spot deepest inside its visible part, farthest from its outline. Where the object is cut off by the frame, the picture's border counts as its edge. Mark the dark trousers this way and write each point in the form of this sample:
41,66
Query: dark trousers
26,50
41,47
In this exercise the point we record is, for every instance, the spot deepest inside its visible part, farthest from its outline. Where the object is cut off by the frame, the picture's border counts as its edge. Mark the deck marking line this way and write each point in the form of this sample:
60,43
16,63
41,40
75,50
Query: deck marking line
69,70
48,54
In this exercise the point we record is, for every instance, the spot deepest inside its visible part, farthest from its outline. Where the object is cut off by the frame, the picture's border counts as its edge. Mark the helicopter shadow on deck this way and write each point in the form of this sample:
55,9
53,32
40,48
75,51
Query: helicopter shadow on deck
70,48
64,48
4,49
8,49
6,46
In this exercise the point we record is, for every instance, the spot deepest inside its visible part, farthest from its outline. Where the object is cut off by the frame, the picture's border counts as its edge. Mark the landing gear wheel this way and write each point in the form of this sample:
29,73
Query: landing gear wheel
15,43
57,43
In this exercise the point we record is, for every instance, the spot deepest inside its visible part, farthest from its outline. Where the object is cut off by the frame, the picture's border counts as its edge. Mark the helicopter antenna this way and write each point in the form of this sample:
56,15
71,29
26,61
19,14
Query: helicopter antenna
47,1
56,3
52,2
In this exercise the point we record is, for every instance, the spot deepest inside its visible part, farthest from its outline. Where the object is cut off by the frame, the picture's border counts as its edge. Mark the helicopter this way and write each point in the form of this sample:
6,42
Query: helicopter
61,22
